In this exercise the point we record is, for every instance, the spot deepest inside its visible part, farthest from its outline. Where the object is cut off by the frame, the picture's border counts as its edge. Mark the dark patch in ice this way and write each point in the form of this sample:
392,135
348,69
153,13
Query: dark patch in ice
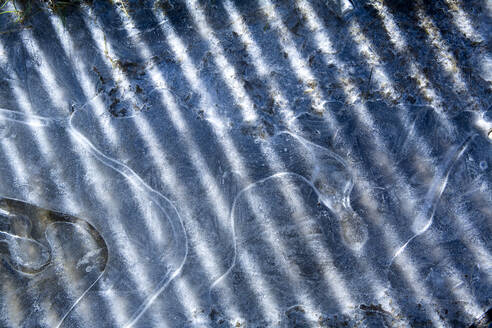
24,232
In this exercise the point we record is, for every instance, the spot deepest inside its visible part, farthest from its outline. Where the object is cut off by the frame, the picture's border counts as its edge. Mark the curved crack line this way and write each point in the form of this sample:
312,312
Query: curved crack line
350,183
434,193
132,177
156,197
19,266
77,301
346,195
55,217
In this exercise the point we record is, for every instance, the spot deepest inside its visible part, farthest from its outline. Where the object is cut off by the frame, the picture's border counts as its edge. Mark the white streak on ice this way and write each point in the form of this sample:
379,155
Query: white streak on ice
133,178
434,195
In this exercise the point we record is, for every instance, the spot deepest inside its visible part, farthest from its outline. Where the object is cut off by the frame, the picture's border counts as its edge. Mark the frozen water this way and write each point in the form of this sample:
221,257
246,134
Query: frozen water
237,163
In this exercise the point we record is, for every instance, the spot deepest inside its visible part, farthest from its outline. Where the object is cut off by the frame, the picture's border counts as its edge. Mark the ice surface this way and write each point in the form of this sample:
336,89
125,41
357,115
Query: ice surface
236,163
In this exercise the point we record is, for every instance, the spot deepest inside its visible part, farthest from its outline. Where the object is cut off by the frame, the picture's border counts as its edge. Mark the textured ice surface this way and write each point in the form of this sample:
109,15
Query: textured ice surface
238,163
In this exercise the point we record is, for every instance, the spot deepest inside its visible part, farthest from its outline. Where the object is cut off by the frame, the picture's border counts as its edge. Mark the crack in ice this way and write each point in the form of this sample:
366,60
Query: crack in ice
179,232
346,207
434,193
